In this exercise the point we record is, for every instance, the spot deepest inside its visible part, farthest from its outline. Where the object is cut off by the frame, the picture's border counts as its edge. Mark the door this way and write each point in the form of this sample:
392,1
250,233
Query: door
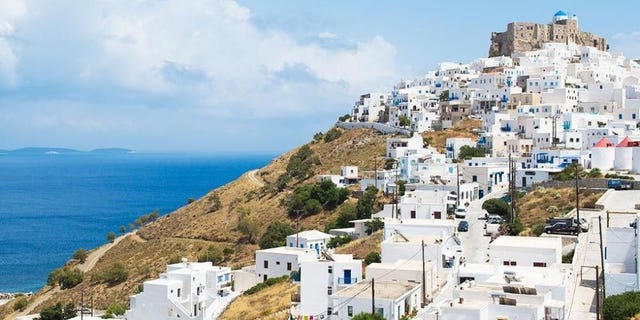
524,182
480,194
437,215
347,276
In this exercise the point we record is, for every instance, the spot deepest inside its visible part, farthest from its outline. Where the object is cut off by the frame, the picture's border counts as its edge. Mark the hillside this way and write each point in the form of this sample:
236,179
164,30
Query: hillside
210,224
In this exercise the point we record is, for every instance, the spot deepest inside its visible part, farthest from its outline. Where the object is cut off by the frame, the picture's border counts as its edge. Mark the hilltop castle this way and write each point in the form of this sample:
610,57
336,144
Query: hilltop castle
527,36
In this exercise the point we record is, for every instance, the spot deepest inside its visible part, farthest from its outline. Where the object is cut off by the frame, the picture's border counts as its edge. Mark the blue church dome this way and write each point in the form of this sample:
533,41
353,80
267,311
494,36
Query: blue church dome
560,13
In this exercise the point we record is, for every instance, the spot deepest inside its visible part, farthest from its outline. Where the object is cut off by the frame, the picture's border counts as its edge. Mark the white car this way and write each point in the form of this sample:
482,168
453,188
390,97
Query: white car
461,213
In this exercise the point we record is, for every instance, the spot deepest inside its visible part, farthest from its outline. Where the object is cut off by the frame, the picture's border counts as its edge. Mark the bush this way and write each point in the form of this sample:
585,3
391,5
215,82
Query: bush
367,316
374,225
364,207
114,275
595,173
263,285
339,241
300,163
404,121
372,257
275,235
20,303
618,176
311,199
537,229
227,251
214,202
147,218
65,277
248,226
111,236
81,255
191,200
497,206
58,312
344,118
552,209
114,309
568,258
468,152
515,227
332,134
622,306
318,136
347,213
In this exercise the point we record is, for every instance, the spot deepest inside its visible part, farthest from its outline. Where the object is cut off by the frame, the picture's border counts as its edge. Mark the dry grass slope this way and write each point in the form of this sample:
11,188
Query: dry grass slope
188,231
263,304
539,205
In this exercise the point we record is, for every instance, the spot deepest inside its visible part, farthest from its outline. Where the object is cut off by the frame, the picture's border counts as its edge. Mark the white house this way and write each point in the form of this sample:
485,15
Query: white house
392,299
187,290
442,252
453,146
319,280
621,269
407,270
309,239
397,147
281,261
526,251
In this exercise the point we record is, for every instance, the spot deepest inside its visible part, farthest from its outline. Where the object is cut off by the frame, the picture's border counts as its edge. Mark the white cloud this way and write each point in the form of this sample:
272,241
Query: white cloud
206,56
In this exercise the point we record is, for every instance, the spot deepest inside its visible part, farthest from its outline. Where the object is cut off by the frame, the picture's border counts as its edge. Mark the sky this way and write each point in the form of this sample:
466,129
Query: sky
251,76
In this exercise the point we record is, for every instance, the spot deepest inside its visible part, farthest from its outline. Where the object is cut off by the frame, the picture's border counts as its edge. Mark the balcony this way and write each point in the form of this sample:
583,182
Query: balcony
351,280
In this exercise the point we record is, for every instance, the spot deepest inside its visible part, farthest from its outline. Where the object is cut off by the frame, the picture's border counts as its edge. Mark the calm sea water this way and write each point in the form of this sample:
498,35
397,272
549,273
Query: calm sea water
51,205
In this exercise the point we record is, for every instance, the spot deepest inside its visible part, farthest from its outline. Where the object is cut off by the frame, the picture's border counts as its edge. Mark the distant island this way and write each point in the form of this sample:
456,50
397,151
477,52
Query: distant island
65,151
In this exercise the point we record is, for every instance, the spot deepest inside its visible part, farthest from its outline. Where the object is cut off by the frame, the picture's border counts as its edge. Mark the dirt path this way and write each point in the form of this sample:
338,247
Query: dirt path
252,176
93,258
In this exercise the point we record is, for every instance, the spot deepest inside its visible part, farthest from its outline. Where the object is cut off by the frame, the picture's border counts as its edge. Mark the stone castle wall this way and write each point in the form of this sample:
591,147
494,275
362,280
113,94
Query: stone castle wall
527,36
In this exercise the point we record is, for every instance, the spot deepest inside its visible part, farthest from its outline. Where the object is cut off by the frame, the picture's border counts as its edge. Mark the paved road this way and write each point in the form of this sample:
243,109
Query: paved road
475,244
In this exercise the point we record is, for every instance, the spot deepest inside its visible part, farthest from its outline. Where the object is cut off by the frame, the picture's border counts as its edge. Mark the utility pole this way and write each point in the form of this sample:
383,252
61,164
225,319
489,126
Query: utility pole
424,282
375,170
602,253
373,297
512,188
297,211
577,199
458,182
597,293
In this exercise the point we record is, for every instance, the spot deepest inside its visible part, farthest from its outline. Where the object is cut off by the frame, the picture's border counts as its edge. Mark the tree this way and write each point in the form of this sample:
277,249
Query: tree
111,236
426,141
444,95
569,173
347,213
468,152
248,226
58,312
275,235
20,303
622,306
402,187
338,241
123,229
367,316
365,204
374,225
65,277
372,257
594,173
497,206
81,255
116,274
344,118
404,121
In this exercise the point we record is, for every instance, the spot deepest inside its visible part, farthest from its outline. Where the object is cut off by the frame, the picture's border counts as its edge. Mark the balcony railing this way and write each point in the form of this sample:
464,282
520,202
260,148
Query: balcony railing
350,280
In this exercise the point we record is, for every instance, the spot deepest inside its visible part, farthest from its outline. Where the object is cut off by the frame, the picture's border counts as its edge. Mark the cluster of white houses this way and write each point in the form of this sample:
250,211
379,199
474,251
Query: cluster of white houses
540,111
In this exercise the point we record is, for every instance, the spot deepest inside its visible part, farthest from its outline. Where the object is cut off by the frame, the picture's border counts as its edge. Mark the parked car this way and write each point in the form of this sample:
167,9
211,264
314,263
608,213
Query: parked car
561,228
572,221
463,226
461,213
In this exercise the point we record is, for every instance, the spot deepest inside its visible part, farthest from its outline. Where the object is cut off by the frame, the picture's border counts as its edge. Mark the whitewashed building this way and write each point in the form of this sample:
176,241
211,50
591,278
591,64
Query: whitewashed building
526,251
309,239
392,299
281,261
187,290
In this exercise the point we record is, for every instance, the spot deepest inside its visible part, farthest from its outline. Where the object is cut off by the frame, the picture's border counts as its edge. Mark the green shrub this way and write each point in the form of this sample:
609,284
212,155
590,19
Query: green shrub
468,152
111,236
275,235
212,254
339,241
65,277
622,306
311,199
20,303
227,251
263,285
568,258
81,255
552,209
367,316
374,225
497,206
537,229
114,309
364,207
372,257
214,203
300,163
344,118
332,134
116,273
58,311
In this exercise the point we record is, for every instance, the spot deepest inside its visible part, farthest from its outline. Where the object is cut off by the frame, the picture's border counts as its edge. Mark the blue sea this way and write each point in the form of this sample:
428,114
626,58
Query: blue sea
51,205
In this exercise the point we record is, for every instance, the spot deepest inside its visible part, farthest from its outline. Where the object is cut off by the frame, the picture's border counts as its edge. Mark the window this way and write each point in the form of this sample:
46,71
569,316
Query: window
266,264
278,263
329,310
413,214
288,266
178,292
350,311
539,264
330,269
329,290
508,263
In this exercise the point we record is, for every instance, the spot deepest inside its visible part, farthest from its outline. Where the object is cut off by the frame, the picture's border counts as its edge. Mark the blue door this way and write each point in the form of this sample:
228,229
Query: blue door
347,276
480,194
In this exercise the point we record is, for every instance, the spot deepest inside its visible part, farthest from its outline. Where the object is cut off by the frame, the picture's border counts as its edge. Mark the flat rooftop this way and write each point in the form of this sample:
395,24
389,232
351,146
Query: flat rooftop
311,235
287,250
527,242
390,290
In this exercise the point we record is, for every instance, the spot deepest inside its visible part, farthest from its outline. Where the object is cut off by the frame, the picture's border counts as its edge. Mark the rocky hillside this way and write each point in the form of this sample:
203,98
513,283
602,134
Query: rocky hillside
210,225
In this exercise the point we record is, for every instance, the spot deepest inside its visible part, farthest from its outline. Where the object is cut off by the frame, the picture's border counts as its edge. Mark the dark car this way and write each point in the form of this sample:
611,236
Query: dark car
561,228
463,226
